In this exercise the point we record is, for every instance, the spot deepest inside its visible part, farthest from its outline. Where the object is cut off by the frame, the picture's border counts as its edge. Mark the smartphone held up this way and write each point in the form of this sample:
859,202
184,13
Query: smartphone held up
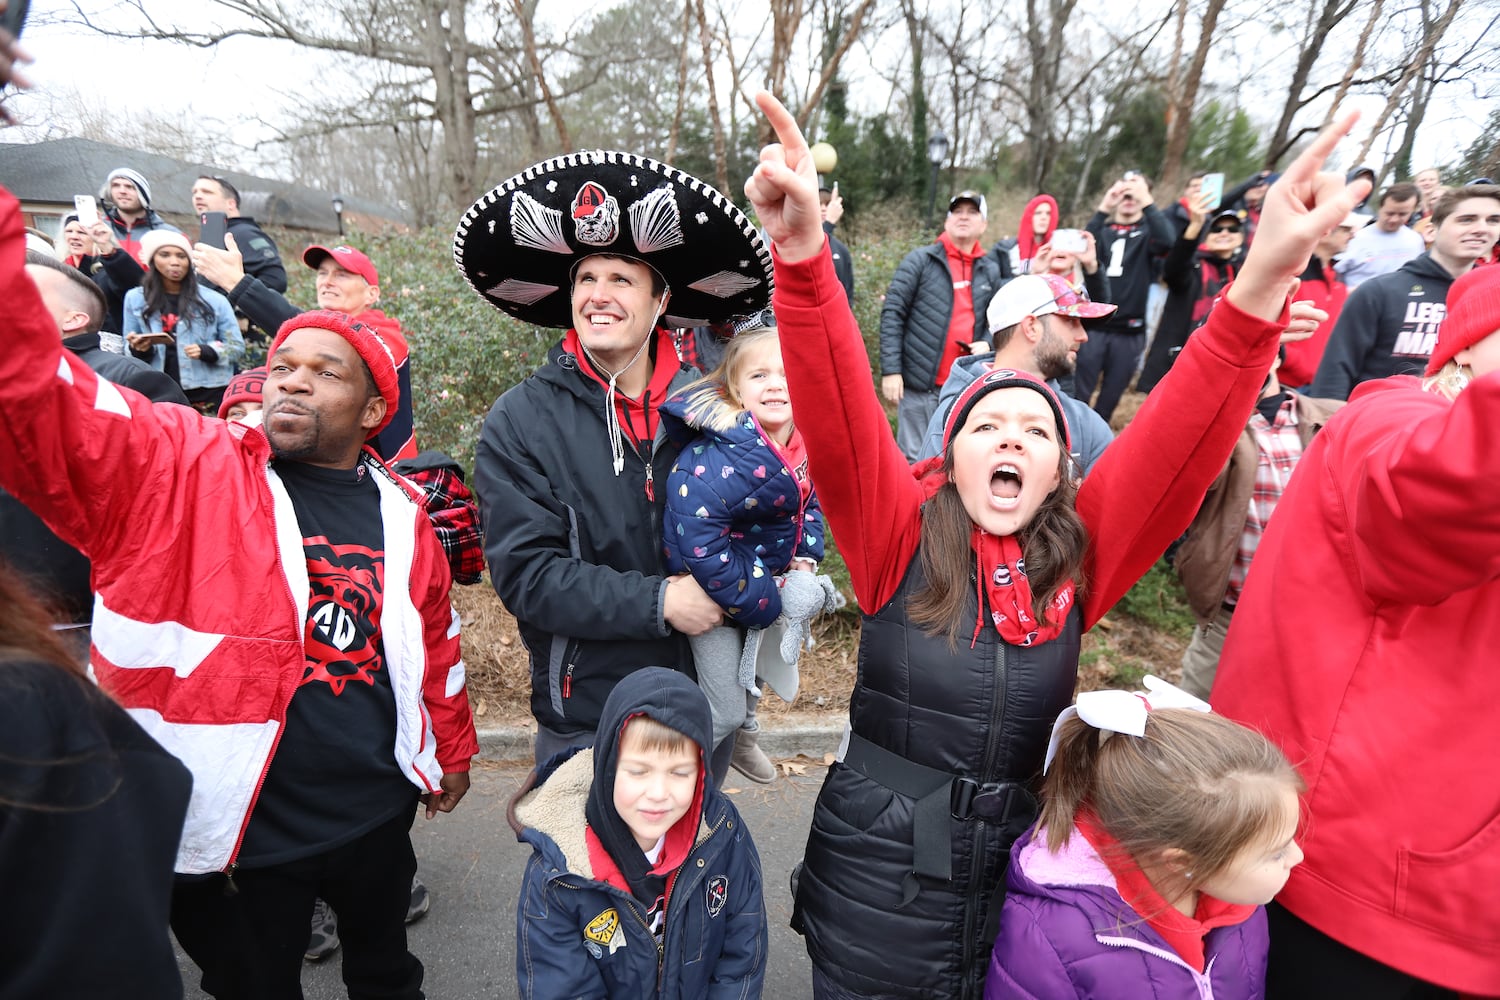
87,209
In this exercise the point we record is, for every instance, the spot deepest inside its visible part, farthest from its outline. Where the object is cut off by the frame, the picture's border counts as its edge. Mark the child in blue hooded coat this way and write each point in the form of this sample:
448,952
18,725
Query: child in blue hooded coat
741,517
644,881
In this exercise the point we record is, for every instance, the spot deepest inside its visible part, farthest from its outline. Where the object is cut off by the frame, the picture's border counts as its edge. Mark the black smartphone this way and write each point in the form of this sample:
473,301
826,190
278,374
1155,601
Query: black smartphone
212,227
14,17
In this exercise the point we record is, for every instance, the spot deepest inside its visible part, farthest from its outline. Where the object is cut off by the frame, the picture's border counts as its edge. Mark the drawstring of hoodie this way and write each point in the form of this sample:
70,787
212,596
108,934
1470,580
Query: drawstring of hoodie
978,593
611,414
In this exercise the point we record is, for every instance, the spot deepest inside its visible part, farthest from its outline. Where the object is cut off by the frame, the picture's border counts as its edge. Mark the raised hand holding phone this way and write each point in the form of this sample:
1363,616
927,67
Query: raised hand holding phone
213,226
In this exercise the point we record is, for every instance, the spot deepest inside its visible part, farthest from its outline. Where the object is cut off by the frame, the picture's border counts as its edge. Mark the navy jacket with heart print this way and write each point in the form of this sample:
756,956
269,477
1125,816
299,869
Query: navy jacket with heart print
735,517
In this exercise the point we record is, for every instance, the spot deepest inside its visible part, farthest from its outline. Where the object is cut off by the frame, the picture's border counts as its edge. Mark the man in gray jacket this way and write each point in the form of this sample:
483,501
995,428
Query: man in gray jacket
933,315
1035,322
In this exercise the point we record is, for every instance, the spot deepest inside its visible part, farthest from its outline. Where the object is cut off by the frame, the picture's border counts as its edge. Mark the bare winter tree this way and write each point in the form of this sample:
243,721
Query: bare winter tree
1433,29
428,67
1182,90
1319,19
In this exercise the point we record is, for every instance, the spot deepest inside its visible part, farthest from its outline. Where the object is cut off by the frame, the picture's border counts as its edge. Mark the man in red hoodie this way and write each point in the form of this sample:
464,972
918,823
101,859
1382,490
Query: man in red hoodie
1362,644
1322,286
934,314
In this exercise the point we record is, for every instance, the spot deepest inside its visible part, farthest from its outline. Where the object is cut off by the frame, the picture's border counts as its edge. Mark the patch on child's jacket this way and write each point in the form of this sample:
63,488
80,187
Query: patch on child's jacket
605,930
718,894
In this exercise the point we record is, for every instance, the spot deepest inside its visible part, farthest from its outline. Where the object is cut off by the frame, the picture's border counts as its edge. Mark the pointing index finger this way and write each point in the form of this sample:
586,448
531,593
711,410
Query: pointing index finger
1312,158
782,122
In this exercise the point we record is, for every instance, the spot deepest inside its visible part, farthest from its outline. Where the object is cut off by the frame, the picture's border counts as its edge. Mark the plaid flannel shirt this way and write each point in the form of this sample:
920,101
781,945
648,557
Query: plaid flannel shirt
451,509
1278,449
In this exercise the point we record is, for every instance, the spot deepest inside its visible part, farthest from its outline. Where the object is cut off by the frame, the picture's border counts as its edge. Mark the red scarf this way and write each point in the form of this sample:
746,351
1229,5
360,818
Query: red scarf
1002,575
961,320
1184,933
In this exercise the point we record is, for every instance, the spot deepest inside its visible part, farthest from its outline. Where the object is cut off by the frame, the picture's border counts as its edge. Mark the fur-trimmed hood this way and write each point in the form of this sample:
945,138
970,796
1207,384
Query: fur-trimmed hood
549,809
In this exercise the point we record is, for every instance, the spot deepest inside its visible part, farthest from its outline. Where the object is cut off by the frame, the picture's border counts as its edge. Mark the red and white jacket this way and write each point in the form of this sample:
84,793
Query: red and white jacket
201,585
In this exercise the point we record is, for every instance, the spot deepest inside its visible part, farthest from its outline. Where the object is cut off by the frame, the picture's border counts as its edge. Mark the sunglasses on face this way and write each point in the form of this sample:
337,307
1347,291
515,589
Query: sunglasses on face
1225,229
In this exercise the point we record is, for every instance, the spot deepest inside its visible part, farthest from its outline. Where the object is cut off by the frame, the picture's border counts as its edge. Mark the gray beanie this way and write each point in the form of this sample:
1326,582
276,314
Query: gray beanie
131,176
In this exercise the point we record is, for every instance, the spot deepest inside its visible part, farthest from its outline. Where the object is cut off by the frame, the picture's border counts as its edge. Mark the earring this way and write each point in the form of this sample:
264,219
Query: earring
1188,875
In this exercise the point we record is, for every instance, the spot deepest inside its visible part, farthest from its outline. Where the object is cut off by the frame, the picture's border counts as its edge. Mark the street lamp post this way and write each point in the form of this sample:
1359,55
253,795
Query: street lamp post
937,152
338,210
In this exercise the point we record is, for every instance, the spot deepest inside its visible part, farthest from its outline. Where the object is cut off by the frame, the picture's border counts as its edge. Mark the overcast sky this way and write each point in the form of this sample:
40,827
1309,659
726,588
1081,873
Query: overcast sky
228,85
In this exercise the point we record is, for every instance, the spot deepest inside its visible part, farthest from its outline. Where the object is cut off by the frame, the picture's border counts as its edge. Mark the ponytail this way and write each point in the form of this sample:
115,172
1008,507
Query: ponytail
1070,779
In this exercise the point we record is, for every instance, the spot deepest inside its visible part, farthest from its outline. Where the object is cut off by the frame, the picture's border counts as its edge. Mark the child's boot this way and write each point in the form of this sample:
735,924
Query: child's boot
749,759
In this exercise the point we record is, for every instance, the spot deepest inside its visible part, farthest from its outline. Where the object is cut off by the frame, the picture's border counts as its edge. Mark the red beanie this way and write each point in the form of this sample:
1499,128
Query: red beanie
246,387
365,339
1473,314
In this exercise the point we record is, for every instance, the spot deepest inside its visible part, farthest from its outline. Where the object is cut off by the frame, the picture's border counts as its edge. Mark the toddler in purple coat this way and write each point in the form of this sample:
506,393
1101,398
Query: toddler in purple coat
1164,831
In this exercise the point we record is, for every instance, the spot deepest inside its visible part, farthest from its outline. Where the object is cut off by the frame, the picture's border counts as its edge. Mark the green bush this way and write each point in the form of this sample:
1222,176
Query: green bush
1159,601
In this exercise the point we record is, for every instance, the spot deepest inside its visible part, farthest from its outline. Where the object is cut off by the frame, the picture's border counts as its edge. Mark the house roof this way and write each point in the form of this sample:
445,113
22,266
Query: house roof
53,172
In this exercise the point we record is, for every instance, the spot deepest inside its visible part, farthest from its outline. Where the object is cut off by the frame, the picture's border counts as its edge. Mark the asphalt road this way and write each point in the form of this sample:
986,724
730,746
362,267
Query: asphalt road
472,864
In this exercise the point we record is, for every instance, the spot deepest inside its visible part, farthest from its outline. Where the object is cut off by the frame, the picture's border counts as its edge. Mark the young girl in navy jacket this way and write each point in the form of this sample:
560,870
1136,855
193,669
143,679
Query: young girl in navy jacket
741,516
1164,831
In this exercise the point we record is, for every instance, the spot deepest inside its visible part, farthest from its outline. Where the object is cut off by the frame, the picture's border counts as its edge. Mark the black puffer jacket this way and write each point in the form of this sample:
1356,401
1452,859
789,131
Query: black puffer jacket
262,259
115,275
1184,271
574,550
983,713
918,307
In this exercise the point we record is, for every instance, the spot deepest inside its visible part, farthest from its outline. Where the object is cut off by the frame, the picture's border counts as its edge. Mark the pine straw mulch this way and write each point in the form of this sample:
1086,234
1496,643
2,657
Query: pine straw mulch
1115,653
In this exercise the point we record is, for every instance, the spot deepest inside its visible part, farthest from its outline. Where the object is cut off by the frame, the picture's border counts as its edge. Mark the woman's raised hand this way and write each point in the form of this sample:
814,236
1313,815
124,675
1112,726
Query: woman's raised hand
1299,209
783,189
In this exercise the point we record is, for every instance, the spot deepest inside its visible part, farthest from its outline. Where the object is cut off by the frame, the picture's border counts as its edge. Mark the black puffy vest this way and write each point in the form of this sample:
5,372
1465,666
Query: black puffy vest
984,713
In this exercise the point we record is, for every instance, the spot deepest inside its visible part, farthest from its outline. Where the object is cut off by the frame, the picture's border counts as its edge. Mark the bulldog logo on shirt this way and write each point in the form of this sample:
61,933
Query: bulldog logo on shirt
342,642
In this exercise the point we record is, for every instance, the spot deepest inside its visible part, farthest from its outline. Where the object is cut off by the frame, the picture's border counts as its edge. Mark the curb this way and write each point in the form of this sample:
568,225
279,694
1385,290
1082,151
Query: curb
512,744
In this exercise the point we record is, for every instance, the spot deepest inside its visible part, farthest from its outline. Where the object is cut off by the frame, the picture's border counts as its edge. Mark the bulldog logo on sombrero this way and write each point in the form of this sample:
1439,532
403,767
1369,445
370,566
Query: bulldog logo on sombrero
596,215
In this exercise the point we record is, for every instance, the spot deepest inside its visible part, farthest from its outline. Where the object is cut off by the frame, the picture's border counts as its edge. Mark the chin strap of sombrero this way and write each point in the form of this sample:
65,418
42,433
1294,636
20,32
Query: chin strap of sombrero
611,395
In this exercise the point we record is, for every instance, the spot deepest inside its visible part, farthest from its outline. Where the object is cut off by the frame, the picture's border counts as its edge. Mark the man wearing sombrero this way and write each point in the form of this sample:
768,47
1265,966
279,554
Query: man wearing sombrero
615,249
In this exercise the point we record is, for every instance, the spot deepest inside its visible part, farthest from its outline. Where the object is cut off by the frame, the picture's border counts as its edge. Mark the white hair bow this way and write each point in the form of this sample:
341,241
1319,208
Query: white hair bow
1123,711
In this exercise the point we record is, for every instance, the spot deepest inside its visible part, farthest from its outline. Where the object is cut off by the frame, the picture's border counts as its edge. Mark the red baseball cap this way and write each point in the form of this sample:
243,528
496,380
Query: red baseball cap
344,256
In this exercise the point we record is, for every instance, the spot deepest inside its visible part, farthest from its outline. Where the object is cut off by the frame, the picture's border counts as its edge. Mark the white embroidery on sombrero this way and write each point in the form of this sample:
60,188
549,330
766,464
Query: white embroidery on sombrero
724,284
552,187
702,217
523,292
654,221
683,322
534,225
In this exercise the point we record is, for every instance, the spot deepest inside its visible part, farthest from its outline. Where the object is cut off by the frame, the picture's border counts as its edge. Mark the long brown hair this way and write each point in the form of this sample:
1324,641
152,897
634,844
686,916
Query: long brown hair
26,636
1195,781
1053,544
26,626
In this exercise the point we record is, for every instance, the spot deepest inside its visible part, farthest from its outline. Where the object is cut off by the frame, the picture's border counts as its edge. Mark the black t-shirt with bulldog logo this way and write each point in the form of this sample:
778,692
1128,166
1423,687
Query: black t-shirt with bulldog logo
334,775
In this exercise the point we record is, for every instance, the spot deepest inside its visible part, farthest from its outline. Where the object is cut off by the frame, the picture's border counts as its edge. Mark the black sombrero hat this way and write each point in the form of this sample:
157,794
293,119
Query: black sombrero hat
518,244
